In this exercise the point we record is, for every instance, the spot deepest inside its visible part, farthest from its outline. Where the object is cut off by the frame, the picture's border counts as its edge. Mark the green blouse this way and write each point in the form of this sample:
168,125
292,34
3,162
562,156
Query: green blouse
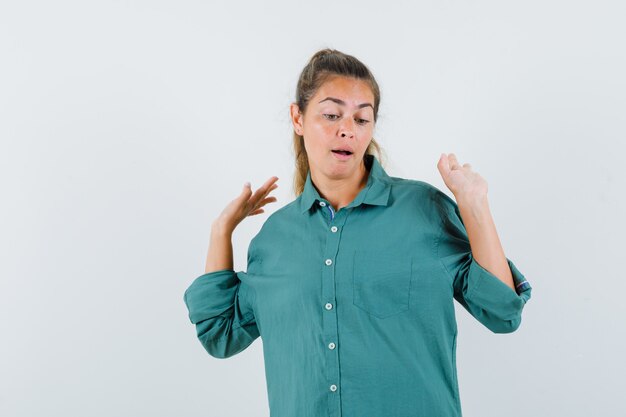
355,307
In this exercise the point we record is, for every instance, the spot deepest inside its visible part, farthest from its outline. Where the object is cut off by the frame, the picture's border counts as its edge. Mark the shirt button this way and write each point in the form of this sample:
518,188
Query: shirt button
331,345
322,203
333,387
333,229
328,306
329,261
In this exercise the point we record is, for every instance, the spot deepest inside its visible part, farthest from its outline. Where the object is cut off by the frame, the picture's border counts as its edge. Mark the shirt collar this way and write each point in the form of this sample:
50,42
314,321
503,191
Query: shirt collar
376,191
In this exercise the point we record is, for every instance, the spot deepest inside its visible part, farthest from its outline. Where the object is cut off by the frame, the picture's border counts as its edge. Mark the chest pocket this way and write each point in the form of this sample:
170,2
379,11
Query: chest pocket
381,282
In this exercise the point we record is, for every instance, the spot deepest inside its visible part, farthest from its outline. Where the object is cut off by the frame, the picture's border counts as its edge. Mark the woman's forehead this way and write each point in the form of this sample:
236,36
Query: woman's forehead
345,91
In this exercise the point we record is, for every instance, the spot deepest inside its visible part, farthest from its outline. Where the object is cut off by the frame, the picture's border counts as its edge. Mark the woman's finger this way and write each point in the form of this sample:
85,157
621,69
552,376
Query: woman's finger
263,190
255,212
269,185
273,187
245,192
267,200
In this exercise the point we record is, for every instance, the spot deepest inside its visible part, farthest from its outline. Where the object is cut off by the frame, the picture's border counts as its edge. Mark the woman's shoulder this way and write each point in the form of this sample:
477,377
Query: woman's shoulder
427,197
420,188
286,212
282,217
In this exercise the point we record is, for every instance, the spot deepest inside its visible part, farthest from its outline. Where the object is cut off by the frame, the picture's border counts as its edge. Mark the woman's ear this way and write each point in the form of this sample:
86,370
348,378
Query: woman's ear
296,118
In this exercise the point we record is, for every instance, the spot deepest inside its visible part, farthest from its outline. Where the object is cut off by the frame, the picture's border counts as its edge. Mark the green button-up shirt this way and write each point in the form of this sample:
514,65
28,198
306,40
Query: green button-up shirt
355,307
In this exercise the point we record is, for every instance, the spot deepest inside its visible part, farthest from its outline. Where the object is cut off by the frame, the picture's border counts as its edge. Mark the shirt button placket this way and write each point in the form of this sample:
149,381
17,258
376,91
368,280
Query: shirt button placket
331,212
330,318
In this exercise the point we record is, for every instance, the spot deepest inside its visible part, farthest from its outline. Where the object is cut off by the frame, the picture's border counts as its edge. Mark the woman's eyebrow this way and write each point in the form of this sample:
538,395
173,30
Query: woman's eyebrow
343,103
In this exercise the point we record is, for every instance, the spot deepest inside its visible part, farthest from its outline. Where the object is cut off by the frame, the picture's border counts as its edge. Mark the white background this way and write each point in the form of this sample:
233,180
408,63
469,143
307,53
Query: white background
126,127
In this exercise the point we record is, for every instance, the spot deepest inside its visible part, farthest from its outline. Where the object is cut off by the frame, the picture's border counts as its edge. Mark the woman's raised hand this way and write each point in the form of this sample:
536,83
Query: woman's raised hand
247,204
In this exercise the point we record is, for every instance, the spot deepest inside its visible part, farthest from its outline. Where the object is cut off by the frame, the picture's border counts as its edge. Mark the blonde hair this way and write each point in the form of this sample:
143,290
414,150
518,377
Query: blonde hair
323,65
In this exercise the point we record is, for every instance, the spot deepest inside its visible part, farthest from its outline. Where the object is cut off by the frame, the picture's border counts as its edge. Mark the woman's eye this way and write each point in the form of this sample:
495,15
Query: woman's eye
333,116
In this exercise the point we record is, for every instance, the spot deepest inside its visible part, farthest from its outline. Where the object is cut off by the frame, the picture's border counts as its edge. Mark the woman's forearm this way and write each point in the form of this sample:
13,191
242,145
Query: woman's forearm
484,241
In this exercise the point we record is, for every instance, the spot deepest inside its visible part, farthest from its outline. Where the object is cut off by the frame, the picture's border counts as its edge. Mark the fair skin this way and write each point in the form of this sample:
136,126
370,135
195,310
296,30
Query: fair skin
220,254
470,192
340,115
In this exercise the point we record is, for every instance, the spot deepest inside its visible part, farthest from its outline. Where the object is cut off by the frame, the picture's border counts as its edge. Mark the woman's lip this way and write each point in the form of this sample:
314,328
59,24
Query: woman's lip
341,157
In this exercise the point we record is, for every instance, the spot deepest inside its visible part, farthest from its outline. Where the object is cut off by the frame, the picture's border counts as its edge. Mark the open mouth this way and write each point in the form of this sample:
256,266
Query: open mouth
343,152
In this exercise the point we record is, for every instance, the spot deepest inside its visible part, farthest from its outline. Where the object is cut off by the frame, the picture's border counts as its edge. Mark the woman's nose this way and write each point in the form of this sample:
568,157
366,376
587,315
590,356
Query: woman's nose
347,129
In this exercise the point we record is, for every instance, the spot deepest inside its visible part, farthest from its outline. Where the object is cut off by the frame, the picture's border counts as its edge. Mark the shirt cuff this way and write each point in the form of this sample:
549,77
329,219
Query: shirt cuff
490,293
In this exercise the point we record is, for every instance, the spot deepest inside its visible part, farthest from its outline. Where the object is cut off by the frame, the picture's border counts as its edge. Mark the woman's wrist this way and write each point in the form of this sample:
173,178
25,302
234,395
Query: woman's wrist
221,228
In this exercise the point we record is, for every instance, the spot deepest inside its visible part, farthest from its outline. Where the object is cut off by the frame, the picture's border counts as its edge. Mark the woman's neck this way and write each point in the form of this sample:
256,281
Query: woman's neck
340,193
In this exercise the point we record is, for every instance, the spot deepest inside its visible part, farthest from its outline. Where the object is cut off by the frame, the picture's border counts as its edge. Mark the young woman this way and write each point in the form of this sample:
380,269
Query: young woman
351,285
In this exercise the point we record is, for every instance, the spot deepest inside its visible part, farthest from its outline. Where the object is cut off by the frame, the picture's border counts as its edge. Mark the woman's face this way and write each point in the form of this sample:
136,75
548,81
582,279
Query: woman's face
340,116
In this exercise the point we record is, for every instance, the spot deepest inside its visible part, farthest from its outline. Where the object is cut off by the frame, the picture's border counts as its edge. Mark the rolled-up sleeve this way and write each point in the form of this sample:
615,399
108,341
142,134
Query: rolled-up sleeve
219,305
481,293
